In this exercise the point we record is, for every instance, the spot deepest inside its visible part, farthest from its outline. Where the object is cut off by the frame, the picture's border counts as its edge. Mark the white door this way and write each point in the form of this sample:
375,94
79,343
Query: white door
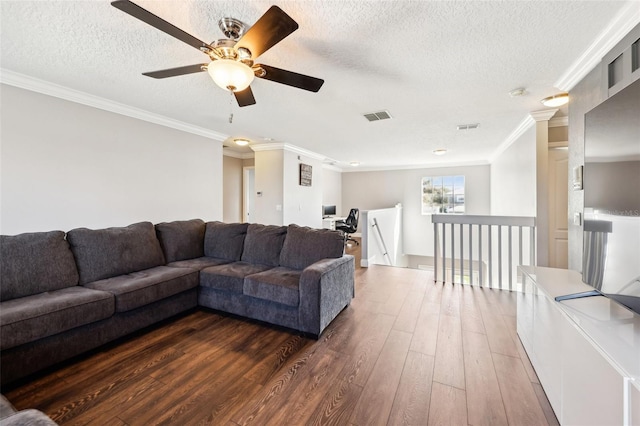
558,208
248,193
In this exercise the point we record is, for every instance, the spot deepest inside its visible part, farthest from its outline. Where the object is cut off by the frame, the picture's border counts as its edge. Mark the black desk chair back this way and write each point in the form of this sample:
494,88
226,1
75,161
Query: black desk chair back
349,225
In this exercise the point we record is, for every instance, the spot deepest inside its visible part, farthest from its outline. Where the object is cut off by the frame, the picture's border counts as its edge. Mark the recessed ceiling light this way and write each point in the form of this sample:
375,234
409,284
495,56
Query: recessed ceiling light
520,91
354,163
241,142
440,151
556,100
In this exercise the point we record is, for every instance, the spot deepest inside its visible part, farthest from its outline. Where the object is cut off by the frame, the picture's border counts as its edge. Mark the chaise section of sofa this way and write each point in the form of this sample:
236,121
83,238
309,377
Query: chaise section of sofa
9,416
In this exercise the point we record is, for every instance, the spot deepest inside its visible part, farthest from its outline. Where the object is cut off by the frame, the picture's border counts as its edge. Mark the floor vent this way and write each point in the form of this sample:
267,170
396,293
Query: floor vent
467,126
376,116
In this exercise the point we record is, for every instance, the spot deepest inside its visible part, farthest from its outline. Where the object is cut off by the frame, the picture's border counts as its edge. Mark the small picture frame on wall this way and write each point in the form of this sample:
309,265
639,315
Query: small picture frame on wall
305,175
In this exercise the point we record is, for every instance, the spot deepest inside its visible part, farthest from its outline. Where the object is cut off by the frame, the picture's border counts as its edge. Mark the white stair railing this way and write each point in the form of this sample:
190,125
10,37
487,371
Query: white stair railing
482,250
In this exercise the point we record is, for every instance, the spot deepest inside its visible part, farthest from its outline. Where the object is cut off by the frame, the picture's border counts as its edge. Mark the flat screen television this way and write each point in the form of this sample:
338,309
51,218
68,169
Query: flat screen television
611,183
328,211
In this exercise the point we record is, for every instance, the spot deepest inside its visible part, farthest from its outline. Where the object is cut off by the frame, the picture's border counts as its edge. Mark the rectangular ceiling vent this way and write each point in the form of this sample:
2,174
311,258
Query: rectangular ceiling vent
467,126
376,116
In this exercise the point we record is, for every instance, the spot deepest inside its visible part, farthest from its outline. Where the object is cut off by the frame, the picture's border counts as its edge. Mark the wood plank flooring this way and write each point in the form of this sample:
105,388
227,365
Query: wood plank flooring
405,352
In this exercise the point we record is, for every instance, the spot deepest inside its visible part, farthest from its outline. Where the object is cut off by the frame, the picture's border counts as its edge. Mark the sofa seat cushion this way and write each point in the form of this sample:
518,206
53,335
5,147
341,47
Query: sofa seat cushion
144,287
278,285
198,263
229,277
33,317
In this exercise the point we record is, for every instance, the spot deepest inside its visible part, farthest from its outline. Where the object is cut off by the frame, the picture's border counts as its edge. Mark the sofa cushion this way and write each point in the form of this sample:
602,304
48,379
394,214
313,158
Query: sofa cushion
229,277
6,408
224,240
180,240
29,417
198,263
106,253
31,318
144,287
278,285
263,244
304,246
35,262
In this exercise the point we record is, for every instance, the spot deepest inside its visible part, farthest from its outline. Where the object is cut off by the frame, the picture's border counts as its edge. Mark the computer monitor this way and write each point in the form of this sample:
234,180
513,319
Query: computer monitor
328,211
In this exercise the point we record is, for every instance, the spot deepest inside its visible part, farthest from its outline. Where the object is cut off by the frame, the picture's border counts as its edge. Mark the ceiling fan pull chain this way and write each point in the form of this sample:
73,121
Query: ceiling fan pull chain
231,108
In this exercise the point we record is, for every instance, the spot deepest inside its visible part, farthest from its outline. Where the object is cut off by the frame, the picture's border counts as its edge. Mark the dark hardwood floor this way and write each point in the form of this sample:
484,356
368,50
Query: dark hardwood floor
406,351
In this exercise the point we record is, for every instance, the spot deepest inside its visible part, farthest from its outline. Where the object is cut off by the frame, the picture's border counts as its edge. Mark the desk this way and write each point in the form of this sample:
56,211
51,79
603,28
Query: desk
330,222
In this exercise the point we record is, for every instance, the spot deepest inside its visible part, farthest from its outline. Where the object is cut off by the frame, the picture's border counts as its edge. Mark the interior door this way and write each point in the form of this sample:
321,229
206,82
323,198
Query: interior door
558,208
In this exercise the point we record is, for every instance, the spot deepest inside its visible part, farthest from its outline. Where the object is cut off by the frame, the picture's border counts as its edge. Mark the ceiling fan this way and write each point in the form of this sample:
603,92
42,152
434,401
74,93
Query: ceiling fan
232,59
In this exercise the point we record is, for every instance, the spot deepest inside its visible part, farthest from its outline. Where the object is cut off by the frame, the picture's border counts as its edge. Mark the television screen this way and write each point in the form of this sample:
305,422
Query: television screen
328,211
611,178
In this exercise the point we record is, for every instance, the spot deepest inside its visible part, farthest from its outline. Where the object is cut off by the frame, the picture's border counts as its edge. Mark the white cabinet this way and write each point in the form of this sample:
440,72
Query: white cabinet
586,352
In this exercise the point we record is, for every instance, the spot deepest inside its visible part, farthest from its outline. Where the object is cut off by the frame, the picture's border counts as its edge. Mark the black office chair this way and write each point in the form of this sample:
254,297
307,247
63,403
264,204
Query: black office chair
349,225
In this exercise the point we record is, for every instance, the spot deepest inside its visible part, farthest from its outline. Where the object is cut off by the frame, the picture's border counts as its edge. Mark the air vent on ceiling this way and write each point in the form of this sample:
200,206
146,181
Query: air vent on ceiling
375,116
467,126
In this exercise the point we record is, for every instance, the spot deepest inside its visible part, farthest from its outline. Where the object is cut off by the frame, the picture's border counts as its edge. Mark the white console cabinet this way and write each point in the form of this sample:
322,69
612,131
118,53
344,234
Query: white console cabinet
586,351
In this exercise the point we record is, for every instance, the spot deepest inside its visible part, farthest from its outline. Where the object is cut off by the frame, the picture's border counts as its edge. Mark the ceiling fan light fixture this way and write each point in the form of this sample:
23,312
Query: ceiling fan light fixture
230,75
556,100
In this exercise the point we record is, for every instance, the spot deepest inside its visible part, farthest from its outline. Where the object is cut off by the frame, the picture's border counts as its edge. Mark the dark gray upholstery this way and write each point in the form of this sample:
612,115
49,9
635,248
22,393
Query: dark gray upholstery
198,263
144,287
224,240
181,240
34,263
28,418
230,276
33,317
304,246
278,285
106,253
263,244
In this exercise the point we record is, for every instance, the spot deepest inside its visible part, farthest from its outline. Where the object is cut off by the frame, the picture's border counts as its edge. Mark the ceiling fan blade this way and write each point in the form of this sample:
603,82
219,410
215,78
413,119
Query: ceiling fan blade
245,97
173,72
290,78
155,21
269,30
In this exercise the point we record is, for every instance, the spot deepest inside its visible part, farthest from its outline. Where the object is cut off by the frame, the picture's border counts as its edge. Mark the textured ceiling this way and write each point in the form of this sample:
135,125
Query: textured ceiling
431,64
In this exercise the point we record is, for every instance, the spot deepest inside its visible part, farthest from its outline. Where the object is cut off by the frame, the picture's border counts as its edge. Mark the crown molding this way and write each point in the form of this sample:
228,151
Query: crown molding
543,115
438,165
22,81
239,155
524,125
287,147
332,168
625,21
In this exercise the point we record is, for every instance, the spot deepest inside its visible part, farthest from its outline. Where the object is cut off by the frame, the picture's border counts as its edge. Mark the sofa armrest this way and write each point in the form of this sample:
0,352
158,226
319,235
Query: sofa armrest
326,288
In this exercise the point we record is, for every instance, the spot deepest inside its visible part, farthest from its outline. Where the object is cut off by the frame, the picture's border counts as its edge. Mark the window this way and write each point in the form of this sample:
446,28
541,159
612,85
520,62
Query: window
443,194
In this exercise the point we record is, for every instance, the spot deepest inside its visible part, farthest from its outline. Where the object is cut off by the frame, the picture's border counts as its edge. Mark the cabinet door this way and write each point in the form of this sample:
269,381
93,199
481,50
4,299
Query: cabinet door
592,390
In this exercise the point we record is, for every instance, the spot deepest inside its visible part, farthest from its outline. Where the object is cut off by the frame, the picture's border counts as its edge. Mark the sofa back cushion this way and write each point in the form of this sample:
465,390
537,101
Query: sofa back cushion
106,253
304,246
181,240
263,244
225,240
34,263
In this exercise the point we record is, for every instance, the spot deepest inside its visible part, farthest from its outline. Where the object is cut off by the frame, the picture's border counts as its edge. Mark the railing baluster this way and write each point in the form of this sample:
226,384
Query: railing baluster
532,243
435,251
444,253
490,258
510,260
480,254
500,257
453,254
520,249
470,253
461,253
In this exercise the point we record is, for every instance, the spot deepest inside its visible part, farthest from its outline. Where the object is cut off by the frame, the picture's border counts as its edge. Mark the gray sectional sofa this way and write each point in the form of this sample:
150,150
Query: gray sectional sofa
62,295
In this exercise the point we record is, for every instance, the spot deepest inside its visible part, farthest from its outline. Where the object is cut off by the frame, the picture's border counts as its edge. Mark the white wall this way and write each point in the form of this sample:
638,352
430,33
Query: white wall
302,204
384,189
332,190
513,178
232,189
66,165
